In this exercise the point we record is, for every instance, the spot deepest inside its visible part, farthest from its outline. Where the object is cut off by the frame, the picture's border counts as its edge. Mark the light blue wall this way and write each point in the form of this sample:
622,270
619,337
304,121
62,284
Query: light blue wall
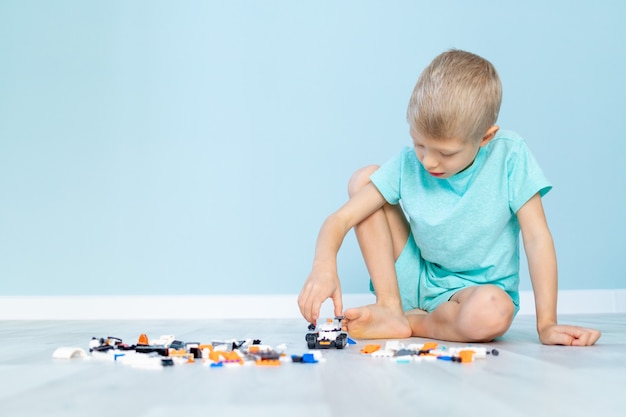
195,147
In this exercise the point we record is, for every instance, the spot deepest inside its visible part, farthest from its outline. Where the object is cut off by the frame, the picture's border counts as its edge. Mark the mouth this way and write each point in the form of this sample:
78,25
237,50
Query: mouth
436,174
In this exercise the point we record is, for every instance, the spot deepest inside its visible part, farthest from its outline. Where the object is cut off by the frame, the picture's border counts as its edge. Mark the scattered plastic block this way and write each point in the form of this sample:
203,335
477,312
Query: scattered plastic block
69,353
370,349
309,358
382,353
393,345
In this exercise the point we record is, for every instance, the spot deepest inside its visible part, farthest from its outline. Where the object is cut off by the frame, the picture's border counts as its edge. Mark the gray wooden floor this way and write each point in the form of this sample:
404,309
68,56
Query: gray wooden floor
526,379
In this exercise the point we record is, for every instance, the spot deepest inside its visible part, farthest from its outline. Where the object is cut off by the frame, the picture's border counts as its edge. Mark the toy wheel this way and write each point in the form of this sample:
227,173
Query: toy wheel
311,339
341,340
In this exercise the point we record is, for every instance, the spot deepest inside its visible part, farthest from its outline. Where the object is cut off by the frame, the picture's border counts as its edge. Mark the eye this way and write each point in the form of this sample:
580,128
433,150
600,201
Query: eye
448,155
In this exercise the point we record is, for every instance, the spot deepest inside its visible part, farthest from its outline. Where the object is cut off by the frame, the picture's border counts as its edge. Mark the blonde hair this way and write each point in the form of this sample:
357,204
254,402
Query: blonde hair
458,95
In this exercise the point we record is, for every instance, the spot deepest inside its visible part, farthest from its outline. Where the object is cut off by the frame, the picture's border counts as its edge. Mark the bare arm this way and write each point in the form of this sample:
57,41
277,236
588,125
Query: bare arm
323,281
542,266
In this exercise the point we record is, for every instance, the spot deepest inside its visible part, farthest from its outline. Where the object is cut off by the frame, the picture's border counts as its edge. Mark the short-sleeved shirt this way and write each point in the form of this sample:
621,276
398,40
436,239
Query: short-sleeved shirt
465,227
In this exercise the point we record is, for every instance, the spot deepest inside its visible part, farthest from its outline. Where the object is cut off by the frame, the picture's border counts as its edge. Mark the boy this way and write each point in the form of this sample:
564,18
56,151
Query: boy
445,264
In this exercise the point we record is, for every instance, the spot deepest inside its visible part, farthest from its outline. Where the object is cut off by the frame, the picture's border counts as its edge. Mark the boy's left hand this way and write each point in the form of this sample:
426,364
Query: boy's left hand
559,334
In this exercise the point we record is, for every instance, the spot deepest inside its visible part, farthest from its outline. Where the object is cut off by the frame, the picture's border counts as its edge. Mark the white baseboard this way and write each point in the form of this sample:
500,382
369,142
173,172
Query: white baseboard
189,307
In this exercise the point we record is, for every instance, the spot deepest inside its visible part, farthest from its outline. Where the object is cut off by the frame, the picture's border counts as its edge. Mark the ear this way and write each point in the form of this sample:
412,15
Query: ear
490,134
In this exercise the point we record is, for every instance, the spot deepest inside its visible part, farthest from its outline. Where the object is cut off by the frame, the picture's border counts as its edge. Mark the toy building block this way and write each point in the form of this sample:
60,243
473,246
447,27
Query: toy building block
368,349
223,356
393,345
104,344
149,361
309,357
429,346
262,355
164,340
382,353
160,350
69,353
180,354
480,352
327,335
466,356
405,352
268,362
403,359
167,362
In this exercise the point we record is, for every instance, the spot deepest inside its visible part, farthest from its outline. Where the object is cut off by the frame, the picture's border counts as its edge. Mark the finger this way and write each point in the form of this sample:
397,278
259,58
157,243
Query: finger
338,303
595,335
303,304
559,338
580,339
313,310
306,303
586,337
579,335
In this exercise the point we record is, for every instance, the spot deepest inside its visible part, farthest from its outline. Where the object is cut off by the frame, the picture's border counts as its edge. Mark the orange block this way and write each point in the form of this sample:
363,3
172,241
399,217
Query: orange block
232,356
214,355
370,349
143,339
466,356
268,362
429,346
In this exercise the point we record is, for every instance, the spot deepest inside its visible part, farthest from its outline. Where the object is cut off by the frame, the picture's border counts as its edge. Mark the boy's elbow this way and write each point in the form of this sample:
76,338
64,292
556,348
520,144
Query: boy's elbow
360,179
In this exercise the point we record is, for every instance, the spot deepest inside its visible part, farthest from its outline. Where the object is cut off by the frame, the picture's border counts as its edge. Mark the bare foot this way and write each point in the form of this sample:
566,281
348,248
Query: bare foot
376,322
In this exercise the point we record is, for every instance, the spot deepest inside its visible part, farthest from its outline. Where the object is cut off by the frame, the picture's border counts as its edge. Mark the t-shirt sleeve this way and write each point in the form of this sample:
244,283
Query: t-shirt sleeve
387,178
525,178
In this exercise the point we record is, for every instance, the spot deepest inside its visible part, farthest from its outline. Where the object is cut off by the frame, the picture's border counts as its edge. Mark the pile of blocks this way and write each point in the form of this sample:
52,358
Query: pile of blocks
427,351
167,351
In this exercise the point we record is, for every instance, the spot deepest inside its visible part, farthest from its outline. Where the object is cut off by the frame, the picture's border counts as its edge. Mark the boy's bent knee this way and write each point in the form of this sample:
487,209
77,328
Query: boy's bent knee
360,178
491,313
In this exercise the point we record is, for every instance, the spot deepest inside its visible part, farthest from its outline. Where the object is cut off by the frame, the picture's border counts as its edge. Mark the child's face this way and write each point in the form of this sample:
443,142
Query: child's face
444,158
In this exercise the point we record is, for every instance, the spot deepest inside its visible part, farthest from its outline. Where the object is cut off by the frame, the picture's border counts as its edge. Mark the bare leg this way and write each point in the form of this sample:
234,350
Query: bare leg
474,314
381,237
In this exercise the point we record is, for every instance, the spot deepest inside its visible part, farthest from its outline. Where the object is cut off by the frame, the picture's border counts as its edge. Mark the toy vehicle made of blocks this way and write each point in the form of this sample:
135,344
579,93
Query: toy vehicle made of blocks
327,335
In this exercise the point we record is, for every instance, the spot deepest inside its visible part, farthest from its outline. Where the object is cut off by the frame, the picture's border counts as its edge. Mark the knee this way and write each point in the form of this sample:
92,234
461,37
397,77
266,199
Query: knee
494,314
360,179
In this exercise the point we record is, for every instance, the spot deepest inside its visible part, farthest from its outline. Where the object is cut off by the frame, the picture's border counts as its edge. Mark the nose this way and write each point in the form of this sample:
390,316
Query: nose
429,161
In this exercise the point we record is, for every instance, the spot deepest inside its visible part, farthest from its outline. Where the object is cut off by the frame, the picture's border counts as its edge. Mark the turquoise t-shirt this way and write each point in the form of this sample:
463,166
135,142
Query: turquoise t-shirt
465,227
